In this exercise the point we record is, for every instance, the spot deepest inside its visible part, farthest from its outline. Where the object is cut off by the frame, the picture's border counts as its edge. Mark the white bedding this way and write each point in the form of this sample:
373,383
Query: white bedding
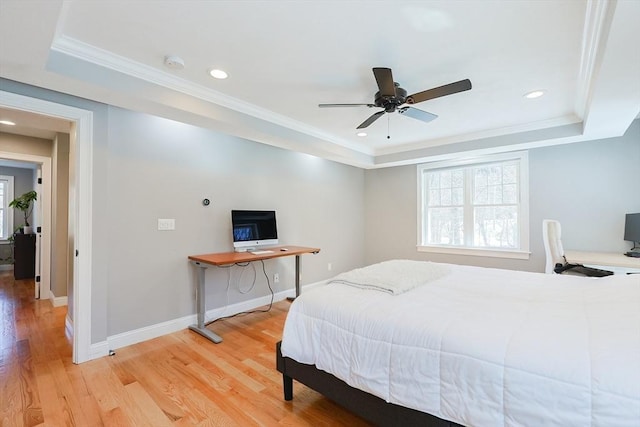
483,347
393,277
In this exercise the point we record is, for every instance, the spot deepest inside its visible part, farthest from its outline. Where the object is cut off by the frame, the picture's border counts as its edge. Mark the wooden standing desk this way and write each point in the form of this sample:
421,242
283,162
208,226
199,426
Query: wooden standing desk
230,258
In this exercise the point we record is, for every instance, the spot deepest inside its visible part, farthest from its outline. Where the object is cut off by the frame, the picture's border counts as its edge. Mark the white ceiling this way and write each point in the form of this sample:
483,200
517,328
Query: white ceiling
286,57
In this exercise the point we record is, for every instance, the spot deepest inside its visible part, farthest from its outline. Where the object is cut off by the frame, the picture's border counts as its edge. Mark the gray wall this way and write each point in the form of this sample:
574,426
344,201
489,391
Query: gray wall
60,215
159,168
145,167
587,186
25,144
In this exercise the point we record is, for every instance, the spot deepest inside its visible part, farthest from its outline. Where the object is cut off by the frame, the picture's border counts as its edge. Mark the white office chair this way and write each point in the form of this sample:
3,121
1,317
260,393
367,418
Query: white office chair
551,236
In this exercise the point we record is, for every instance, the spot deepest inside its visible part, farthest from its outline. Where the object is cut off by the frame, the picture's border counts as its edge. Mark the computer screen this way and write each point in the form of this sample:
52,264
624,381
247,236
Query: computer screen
632,227
254,228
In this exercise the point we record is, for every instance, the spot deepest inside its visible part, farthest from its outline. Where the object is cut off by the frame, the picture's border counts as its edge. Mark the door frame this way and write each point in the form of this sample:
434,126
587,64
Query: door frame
80,208
42,289
39,283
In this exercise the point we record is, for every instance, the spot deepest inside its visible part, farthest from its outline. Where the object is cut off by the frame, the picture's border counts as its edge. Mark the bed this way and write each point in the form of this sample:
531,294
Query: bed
420,343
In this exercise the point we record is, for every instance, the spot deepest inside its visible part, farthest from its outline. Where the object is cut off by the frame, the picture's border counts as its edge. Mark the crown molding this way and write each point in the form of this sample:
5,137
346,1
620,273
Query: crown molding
557,122
597,23
85,52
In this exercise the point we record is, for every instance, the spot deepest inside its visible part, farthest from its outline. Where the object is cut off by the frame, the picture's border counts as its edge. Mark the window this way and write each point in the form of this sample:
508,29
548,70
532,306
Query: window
475,207
6,216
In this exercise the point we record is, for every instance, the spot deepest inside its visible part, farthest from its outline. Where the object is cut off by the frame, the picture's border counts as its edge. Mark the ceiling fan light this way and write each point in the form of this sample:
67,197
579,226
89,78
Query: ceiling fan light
361,134
218,74
534,94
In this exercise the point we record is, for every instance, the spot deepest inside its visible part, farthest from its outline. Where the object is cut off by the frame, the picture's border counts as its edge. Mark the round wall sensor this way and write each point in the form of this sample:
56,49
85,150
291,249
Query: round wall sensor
206,202
174,62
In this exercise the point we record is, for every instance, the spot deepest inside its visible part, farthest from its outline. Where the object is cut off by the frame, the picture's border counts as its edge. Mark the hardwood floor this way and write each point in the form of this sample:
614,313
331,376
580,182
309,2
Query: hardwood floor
179,379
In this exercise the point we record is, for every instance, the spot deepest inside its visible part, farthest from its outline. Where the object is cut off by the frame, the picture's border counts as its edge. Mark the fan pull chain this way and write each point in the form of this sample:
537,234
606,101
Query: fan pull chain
388,125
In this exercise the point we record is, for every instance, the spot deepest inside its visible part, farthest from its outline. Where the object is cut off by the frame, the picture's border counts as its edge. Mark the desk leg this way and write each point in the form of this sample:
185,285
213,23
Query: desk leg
201,307
297,279
297,276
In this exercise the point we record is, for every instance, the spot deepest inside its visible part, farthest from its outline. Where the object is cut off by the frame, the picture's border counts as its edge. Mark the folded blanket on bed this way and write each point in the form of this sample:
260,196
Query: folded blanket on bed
394,277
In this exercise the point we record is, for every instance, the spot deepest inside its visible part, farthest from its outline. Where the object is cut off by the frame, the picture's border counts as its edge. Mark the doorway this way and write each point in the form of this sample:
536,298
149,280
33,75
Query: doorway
41,168
80,179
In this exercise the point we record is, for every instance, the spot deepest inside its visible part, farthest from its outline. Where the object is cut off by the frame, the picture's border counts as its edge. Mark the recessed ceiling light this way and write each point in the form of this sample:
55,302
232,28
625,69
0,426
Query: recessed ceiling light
534,94
218,74
7,122
361,134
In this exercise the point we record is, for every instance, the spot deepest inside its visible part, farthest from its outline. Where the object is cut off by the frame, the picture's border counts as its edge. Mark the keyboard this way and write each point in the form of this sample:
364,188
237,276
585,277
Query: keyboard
590,271
581,269
261,252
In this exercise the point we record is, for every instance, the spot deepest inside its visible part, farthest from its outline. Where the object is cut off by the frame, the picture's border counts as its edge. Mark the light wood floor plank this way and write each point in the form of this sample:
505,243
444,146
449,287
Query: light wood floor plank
176,380
53,412
66,393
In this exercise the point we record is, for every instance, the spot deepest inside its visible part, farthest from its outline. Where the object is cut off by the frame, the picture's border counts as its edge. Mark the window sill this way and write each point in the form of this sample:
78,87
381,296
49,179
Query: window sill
492,253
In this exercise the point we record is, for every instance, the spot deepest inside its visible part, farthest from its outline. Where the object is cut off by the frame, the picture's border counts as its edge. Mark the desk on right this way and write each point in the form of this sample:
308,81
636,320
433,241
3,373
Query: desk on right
616,262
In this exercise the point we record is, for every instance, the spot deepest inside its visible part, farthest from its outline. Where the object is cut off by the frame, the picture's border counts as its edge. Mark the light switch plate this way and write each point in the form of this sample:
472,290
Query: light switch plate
165,224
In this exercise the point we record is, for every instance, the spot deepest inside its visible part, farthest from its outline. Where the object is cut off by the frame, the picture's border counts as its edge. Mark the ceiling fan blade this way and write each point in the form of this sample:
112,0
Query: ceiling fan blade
345,105
414,113
371,119
384,78
437,92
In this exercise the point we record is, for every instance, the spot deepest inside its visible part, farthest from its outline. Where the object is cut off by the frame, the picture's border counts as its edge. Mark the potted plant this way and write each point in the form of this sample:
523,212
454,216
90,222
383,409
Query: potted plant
25,204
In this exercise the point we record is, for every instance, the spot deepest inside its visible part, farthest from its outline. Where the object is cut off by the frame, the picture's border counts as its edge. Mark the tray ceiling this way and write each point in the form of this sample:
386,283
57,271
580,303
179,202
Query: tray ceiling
284,58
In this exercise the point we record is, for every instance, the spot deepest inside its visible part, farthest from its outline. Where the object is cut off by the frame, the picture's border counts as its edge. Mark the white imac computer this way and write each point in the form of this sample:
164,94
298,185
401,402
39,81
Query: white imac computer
253,229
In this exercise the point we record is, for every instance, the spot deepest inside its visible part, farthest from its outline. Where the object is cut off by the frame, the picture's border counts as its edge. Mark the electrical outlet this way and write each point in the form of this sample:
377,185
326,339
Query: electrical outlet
329,266
166,224
276,278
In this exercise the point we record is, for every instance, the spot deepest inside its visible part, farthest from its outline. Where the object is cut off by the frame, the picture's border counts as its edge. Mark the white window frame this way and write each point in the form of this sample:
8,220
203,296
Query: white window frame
523,218
7,212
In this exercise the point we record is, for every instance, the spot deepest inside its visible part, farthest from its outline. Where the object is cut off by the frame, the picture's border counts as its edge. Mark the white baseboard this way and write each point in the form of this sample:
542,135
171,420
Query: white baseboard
57,301
6,267
153,331
98,350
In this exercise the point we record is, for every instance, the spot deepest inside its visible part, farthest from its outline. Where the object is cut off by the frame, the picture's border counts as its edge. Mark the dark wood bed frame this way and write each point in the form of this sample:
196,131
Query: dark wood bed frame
367,406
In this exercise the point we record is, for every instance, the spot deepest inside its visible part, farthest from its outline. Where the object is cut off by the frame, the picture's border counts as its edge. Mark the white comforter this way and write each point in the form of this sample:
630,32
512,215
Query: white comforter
483,347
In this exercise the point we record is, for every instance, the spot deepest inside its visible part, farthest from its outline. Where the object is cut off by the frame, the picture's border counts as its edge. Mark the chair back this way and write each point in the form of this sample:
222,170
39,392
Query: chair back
551,236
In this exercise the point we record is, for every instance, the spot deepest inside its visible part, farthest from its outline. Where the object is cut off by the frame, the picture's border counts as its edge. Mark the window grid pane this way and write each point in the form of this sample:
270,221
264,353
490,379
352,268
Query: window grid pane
496,227
446,188
495,184
495,210
4,208
445,207
491,212
446,226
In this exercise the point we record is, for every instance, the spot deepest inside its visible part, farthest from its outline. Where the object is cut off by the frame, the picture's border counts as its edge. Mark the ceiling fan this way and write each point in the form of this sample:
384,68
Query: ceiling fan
392,97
